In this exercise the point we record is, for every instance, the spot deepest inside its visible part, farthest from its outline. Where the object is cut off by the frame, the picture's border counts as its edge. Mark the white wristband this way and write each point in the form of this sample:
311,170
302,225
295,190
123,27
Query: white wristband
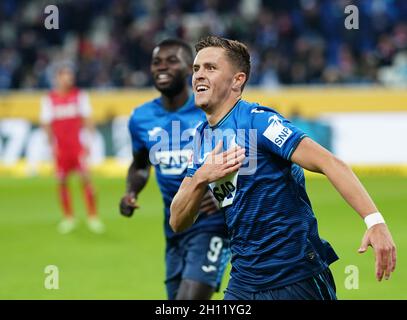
373,219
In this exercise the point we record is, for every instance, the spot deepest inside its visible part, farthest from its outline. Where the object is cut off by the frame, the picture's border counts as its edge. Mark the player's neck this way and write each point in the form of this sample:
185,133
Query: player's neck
175,102
216,114
63,91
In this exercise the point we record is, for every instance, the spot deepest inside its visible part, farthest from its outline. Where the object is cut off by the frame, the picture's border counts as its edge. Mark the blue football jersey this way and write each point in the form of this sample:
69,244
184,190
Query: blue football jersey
168,137
271,224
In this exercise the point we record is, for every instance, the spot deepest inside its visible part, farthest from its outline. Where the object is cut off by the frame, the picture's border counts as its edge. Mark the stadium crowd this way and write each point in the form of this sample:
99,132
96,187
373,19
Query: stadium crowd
291,41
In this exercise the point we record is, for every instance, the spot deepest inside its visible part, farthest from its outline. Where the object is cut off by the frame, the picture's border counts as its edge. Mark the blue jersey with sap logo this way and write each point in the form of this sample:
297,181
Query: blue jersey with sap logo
271,224
168,138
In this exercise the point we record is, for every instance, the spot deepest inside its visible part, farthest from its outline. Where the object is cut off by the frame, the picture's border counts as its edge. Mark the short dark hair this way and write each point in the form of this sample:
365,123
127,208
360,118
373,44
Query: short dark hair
237,52
189,55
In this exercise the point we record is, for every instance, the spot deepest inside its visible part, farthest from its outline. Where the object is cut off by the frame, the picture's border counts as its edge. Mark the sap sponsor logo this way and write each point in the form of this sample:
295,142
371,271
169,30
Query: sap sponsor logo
153,132
173,162
276,132
224,190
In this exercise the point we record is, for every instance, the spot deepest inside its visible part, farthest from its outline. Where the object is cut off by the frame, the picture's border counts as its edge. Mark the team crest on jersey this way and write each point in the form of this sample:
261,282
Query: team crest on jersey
173,162
276,132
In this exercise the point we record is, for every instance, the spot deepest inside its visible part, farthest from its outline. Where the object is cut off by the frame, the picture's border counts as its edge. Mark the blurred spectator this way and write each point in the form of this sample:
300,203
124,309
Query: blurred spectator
316,129
291,41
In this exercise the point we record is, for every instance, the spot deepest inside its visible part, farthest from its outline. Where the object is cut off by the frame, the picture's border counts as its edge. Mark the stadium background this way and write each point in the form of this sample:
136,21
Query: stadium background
347,88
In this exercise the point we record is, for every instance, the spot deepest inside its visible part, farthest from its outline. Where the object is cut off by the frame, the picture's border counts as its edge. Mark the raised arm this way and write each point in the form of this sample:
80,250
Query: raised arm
314,157
185,205
187,201
137,177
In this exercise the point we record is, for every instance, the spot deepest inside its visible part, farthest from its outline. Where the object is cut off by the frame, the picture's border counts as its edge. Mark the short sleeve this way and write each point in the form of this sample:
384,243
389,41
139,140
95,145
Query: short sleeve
85,109
46,110
275,134
135,134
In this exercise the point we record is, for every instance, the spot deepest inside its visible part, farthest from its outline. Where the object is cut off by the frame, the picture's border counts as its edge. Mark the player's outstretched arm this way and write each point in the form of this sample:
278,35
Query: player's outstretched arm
187,201
313,157
137,177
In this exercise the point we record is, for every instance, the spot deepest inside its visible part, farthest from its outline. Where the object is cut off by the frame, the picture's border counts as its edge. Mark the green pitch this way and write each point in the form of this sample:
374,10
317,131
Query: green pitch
127,262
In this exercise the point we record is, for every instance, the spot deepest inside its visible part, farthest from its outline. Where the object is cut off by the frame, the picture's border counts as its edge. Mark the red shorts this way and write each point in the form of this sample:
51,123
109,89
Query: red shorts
67,162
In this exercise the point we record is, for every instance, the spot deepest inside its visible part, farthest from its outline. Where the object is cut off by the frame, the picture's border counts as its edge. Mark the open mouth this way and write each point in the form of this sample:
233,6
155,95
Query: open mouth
201,88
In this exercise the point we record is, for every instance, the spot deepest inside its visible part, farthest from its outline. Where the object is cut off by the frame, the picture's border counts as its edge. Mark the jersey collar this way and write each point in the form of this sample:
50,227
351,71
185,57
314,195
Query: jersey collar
225,116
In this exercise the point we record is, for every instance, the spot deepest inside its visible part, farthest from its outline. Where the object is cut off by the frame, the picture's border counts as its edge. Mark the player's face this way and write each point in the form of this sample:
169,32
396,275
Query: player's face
170,70
212,77
65,78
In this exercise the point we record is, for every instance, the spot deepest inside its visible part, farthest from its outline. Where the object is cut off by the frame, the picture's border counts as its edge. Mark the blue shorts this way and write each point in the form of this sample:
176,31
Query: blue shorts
202,256
319,287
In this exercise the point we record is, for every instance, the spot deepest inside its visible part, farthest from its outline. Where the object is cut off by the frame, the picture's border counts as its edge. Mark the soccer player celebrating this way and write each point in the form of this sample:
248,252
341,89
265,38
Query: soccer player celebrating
65,111
162,132
276,249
